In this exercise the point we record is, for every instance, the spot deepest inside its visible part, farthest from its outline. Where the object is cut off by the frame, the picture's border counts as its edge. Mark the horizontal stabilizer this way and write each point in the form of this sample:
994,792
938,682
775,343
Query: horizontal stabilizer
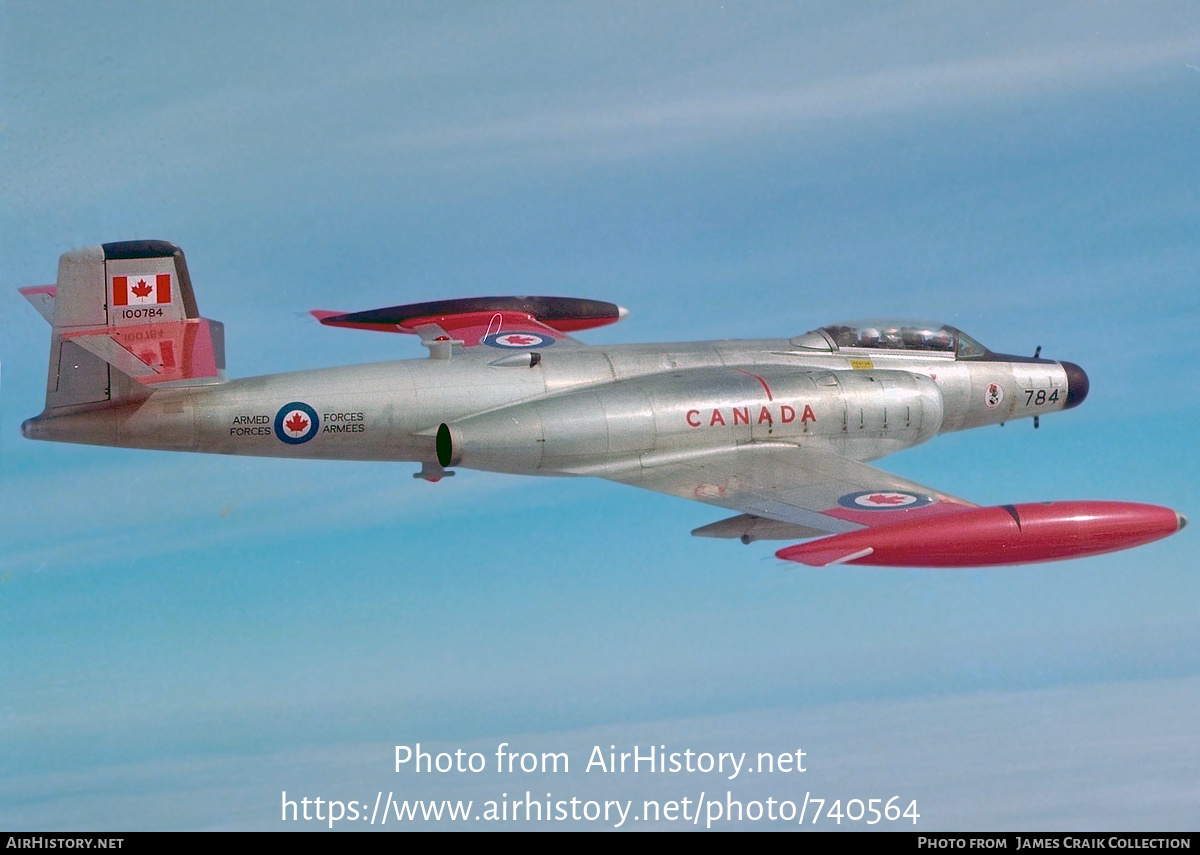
166,352
42,299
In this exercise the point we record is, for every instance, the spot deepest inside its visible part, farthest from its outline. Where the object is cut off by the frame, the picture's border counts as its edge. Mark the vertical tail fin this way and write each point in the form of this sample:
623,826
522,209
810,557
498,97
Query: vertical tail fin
125,321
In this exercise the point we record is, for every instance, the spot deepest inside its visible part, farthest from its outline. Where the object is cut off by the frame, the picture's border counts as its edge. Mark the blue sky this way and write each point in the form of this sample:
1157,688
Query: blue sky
183,637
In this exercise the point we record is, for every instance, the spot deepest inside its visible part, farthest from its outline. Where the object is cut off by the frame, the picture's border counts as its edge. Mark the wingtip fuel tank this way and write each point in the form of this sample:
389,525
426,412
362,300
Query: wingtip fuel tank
996,536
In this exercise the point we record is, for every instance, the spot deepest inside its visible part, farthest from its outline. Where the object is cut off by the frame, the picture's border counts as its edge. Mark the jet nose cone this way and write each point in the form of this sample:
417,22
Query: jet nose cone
1077,384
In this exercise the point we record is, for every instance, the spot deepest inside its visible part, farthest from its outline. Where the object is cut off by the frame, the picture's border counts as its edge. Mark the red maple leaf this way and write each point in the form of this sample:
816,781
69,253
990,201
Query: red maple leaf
884,499
141,290
519,339
296,423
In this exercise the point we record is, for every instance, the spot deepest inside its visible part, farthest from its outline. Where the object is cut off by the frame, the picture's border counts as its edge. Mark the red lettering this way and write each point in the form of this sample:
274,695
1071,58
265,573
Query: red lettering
809,415
787,414
741,415
690,415
716,419
764,415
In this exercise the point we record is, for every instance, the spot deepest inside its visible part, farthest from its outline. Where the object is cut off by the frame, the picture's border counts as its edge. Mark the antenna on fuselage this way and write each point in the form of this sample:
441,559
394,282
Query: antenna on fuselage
1037,352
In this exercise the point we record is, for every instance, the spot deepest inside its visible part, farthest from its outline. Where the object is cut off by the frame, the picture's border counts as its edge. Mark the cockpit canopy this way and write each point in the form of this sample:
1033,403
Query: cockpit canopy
890,334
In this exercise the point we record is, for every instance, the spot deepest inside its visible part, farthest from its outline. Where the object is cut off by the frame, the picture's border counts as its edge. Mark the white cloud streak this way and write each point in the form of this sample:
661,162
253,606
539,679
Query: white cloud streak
646,124
394,116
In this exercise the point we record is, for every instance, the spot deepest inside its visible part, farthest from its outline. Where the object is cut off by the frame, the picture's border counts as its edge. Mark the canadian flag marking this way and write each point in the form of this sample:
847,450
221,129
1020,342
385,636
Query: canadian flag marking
151,288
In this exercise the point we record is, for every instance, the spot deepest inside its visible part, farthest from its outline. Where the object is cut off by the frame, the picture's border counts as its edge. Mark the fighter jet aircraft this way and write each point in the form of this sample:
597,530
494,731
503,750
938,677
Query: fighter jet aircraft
777,430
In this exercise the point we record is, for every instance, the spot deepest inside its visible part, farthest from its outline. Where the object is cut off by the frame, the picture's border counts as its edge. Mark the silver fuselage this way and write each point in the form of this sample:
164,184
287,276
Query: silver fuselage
583,410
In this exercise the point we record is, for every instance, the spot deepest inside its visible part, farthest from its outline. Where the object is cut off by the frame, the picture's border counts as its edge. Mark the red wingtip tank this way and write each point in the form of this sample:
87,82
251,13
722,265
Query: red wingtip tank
999,535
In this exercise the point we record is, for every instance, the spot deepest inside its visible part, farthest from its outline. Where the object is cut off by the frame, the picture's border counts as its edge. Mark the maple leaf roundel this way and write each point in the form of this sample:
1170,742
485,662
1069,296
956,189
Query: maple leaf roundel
296,422
884,500
518,339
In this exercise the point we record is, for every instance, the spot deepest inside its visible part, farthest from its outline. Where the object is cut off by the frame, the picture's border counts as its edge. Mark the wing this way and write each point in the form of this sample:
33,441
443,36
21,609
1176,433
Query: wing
870,517
508,323
786,492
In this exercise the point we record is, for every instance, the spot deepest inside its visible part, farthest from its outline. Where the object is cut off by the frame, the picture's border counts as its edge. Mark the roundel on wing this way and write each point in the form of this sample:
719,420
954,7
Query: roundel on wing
518,339
296,422
884,500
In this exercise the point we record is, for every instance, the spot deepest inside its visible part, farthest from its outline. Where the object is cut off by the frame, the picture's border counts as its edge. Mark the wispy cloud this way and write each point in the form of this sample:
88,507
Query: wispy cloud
176,505
390,112
629,123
